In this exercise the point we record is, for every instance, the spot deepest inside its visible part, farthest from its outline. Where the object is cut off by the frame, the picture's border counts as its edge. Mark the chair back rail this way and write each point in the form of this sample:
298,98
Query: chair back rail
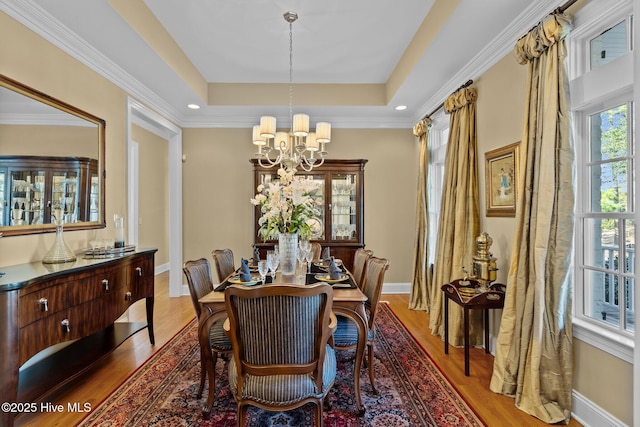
360,259
225,266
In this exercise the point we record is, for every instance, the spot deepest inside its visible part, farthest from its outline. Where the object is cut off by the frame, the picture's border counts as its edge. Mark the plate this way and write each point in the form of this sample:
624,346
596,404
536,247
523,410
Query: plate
236,280
316,227
327,278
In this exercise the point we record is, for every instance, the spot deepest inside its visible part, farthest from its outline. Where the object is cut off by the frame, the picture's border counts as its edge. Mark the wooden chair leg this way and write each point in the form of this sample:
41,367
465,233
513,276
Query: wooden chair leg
370,363
319,419
241,414
203,376
327,402
206,412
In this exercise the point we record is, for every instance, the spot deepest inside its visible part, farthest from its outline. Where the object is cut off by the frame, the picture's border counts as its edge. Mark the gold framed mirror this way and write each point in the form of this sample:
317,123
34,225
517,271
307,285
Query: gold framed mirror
51,163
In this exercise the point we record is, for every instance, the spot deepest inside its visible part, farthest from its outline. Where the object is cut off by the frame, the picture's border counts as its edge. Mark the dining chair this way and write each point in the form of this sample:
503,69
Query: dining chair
223,259
198,274
285,362
316,250
346,334
360,258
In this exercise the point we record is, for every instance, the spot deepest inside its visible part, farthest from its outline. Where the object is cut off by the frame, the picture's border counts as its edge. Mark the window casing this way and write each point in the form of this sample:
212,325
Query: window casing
601,73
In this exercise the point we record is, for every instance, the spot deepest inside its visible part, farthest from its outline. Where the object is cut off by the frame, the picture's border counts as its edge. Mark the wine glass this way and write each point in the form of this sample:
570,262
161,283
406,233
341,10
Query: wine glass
305,245
271,258
300,254
308,255
263,269
275,262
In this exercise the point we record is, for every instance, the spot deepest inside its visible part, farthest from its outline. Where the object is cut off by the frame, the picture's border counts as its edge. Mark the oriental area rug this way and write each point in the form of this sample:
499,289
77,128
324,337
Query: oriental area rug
412,390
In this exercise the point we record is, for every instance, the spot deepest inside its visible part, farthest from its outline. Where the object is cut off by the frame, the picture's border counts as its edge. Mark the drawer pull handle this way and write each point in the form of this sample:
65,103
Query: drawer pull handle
44,303
139,270
105,282
65,325
127,296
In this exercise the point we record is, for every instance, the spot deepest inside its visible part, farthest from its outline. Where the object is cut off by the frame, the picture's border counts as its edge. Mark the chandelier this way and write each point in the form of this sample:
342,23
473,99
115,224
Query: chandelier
298,147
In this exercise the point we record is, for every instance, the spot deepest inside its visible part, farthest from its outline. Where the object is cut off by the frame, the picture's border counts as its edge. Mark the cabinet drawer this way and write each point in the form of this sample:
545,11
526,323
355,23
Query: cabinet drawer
43,333
97,285
121,301
142,278
40,304
92,316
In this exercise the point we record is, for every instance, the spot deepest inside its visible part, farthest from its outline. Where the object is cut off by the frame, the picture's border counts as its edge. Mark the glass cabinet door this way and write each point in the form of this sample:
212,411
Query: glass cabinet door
318,224
64,200
344,211
27,197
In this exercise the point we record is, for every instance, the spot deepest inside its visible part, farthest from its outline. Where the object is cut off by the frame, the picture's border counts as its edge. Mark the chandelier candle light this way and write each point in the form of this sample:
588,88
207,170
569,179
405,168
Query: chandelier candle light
298,147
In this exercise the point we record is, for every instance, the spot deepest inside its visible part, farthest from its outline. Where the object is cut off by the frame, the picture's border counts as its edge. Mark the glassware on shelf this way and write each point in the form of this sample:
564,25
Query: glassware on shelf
119,231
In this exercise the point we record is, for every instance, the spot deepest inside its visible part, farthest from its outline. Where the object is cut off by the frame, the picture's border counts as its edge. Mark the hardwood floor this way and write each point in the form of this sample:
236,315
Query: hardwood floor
171,314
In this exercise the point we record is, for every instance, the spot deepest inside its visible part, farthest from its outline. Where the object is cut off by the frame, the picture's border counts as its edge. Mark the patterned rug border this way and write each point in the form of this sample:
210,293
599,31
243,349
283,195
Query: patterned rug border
155,354
136,414
426,352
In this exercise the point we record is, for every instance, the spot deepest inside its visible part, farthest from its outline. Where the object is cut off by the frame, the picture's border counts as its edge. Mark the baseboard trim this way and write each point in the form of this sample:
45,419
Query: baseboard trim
162,268
396,288
589,414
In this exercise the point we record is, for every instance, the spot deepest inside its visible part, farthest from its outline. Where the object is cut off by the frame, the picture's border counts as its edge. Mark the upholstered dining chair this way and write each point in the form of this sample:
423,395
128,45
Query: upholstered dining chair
316,250
281,357
223,259
346,334
198,274
360,259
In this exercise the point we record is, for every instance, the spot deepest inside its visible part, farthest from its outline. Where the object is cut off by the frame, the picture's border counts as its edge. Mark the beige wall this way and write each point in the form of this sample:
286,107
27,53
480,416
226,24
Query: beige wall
600,377
153,194
36,63
18,140
218,183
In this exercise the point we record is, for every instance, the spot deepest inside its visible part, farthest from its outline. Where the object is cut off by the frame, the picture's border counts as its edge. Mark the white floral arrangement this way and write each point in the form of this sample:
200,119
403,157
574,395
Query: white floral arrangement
287,205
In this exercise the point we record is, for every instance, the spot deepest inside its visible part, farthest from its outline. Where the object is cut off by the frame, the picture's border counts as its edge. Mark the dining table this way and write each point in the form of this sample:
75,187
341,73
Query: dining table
348,301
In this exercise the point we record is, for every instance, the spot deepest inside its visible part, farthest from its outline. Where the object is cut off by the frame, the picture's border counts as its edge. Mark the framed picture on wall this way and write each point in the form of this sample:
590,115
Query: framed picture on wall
501,171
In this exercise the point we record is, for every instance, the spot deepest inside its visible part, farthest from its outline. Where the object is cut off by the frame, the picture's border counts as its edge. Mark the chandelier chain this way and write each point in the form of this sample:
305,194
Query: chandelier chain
291,71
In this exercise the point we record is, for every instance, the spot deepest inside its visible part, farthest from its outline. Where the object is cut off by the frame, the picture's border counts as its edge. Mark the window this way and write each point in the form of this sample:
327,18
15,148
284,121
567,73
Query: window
439,135
602,102
607,220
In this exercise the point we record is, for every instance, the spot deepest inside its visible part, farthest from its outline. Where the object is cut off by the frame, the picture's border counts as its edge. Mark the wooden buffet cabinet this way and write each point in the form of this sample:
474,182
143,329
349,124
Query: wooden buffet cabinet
72,307
341,200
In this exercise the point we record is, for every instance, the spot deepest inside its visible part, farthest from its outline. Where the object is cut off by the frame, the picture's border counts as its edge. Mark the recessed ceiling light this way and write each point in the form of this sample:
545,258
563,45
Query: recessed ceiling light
193,106
400,107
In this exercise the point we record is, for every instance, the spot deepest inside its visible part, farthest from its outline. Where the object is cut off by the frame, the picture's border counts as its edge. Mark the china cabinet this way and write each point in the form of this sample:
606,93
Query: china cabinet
341,200
33,188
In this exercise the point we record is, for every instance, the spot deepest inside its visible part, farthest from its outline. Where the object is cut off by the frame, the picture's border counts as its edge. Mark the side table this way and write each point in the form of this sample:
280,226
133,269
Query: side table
466,294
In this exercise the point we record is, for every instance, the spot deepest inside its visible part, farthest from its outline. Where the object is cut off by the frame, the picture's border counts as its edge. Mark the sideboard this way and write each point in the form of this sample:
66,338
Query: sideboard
58,319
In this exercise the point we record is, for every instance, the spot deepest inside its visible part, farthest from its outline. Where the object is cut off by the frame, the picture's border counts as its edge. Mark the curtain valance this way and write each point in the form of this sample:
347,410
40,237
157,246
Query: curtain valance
548,32
422,127
459,99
